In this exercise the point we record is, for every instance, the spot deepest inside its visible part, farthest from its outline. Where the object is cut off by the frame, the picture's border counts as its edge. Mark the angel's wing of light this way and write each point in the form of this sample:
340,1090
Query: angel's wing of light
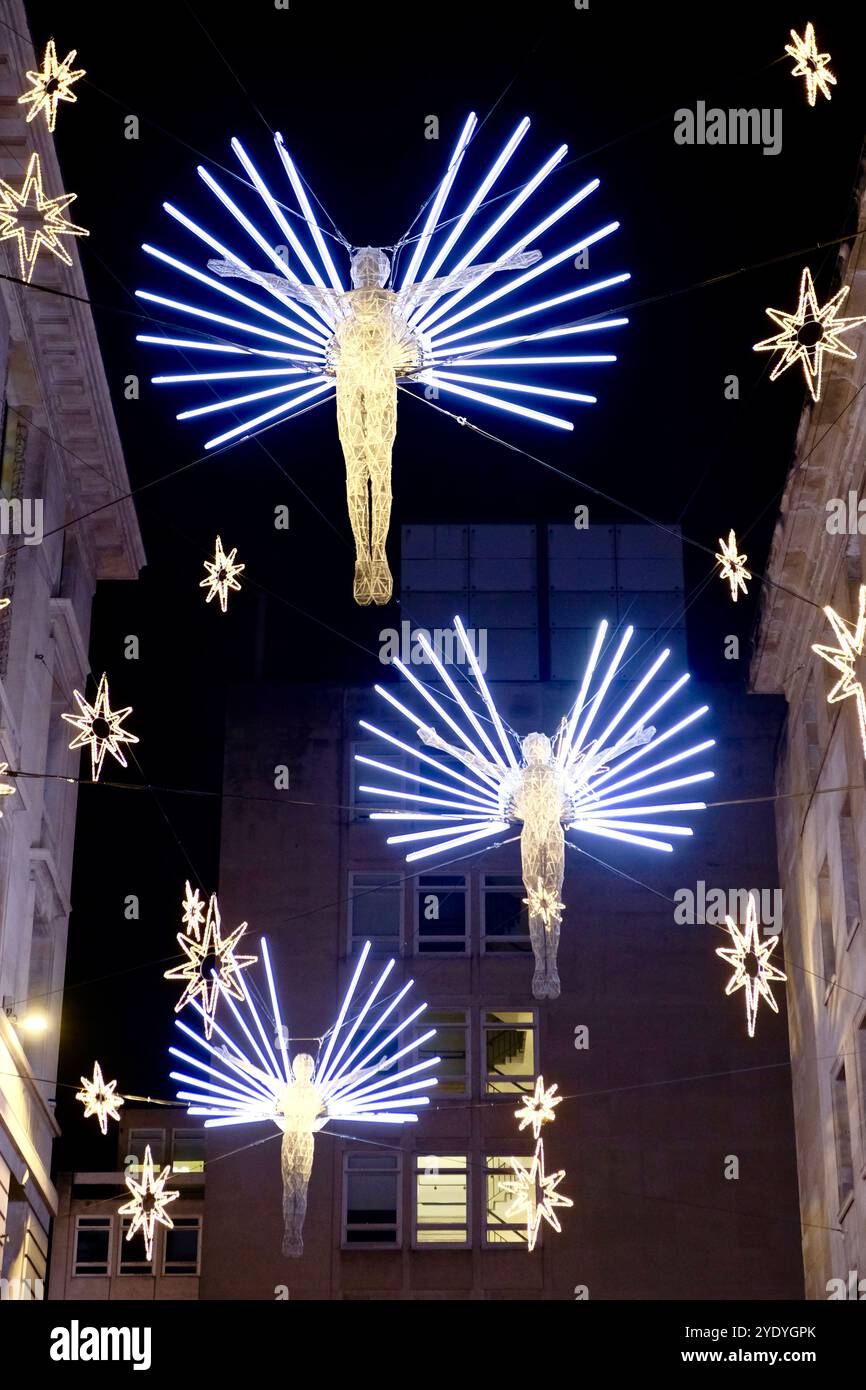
489,343
238,1078
259,354
614,785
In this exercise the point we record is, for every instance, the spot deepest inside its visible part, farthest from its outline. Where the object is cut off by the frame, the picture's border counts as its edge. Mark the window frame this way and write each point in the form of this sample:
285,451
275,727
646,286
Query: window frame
106,1223
466,1225
378,945
524,951
158,1161
520,1089
519,1244
144,1272
440,888
182,1222
839,1079
397,1170
424,1022
185,1130
372,747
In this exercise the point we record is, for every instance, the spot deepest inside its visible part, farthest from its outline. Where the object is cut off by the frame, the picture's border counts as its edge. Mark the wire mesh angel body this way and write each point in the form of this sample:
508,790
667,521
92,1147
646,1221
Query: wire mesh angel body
372,346
304,1112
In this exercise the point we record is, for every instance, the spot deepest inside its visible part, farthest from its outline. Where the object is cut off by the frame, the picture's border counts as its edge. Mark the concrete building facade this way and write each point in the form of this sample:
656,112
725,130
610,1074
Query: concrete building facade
61,458
817,558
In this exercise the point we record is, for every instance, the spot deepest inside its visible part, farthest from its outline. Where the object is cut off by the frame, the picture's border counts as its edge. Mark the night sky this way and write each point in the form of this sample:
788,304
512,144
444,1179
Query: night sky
711,236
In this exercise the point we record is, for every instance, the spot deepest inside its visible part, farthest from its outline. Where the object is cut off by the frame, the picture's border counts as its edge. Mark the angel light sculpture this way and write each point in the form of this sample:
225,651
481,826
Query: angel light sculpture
571,782
245,1082
363,339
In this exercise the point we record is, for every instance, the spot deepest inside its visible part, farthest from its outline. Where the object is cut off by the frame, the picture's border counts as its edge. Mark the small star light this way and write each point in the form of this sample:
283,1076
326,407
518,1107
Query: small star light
222,572
51,85
751,961
99,1099
35,221
809,333
539,1107
733,565
543,902
193,911
535,1194
5,789
149,1199
4,603
99,726
845,657
211,967
810,64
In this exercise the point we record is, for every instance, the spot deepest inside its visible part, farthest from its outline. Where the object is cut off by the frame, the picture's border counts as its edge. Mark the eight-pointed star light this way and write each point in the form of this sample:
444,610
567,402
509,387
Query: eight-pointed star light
211,967
535,1194
100,727
148,1202
750,958
808,333
34,221
51,84
99,1099
846,658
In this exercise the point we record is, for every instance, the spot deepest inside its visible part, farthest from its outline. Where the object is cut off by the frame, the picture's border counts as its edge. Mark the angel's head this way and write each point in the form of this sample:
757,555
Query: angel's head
303,1067
369,266
536,749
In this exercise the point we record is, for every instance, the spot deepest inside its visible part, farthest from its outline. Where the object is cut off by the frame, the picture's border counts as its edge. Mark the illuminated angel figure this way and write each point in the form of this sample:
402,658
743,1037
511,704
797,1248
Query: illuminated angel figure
246,1083
572,782
362,338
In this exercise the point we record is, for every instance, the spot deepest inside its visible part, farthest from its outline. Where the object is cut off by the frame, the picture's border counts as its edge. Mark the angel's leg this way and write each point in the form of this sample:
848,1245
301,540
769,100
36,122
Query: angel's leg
381,422
297,1164
351,428
543,864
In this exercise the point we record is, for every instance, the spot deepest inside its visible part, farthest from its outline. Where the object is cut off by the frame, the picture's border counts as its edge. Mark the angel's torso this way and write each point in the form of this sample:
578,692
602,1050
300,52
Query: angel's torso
300,1108
373,337
539,796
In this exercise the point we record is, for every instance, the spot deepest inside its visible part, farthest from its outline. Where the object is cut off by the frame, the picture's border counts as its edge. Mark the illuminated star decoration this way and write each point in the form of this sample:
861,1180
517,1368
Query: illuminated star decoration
538,1107
751,961
810,64
100,727
148,1202
809,333
221,577
5,789
5,602
543,902
99,1099
535,1194
193,910
211,968
34,221
845,657
52,84
733,565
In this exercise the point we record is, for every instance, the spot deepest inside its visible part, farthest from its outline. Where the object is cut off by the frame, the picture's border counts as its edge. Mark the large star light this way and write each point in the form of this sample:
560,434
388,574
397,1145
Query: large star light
808,333
539,1107
148,1202
51,84
99,726
98,1098
222,572
35,222
733,565
212,968
846,658
810,64
753,970
535,1194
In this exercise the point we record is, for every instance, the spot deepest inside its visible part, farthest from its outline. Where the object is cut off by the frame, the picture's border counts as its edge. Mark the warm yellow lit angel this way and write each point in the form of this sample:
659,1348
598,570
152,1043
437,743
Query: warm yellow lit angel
372,347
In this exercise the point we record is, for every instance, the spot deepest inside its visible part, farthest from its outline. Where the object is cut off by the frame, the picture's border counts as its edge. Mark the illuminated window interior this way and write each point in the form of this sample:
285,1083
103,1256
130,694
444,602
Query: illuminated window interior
441,1200
509,1050
498,1230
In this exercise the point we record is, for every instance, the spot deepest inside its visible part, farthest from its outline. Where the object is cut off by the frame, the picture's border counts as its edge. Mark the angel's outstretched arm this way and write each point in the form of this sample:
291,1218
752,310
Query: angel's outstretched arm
470,760
433,289
307,294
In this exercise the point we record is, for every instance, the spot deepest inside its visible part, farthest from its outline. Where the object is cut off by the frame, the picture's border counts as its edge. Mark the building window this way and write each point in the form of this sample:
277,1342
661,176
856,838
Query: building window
860,1045
510,1061
363,775
810,727
133,1256
499,1229
825,920
441,1200
371,1201
506,923
451,1045
92,1245
842,1131
375,912
137,1142
441,914
187,1151
850,868
182,1245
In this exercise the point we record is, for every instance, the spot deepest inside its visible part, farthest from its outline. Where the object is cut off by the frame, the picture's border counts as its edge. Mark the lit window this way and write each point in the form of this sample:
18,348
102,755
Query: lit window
509,1050
842,1131
441,1200
137,1142
187,1151
133,1256
181,1249
506,923
498,1228
92,1245
850,867
441,909
371,1207
375,912
450,1045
